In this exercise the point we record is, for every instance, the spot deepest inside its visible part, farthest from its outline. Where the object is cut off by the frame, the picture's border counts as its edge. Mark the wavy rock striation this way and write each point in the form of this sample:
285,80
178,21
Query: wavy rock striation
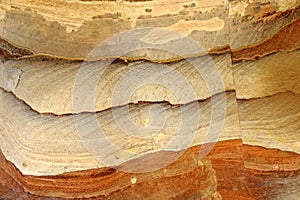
152,99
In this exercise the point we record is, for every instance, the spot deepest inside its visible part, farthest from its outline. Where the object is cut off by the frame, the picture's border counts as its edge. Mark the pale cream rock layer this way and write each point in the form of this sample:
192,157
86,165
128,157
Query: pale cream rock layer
272,122
269,75
61,86
74,28
44,144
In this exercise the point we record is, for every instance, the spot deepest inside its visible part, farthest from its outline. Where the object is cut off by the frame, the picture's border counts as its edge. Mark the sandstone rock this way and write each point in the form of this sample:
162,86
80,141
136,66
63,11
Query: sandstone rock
149,99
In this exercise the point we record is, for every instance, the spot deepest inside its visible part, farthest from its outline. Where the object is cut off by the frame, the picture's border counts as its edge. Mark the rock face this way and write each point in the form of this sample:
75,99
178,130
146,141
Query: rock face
152,99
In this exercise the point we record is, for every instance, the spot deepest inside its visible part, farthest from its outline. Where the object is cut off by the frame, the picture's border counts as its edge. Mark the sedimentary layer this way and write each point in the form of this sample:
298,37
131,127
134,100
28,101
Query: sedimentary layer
96,103
91,23
40,144
267,76
230,169
76,86
271,121
208,27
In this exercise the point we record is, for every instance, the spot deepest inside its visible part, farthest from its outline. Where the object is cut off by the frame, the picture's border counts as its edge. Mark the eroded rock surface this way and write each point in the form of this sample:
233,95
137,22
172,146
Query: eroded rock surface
203,105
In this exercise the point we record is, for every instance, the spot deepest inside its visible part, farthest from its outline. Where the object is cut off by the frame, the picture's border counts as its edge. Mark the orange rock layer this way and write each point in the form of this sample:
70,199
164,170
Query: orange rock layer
230,171
287,39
